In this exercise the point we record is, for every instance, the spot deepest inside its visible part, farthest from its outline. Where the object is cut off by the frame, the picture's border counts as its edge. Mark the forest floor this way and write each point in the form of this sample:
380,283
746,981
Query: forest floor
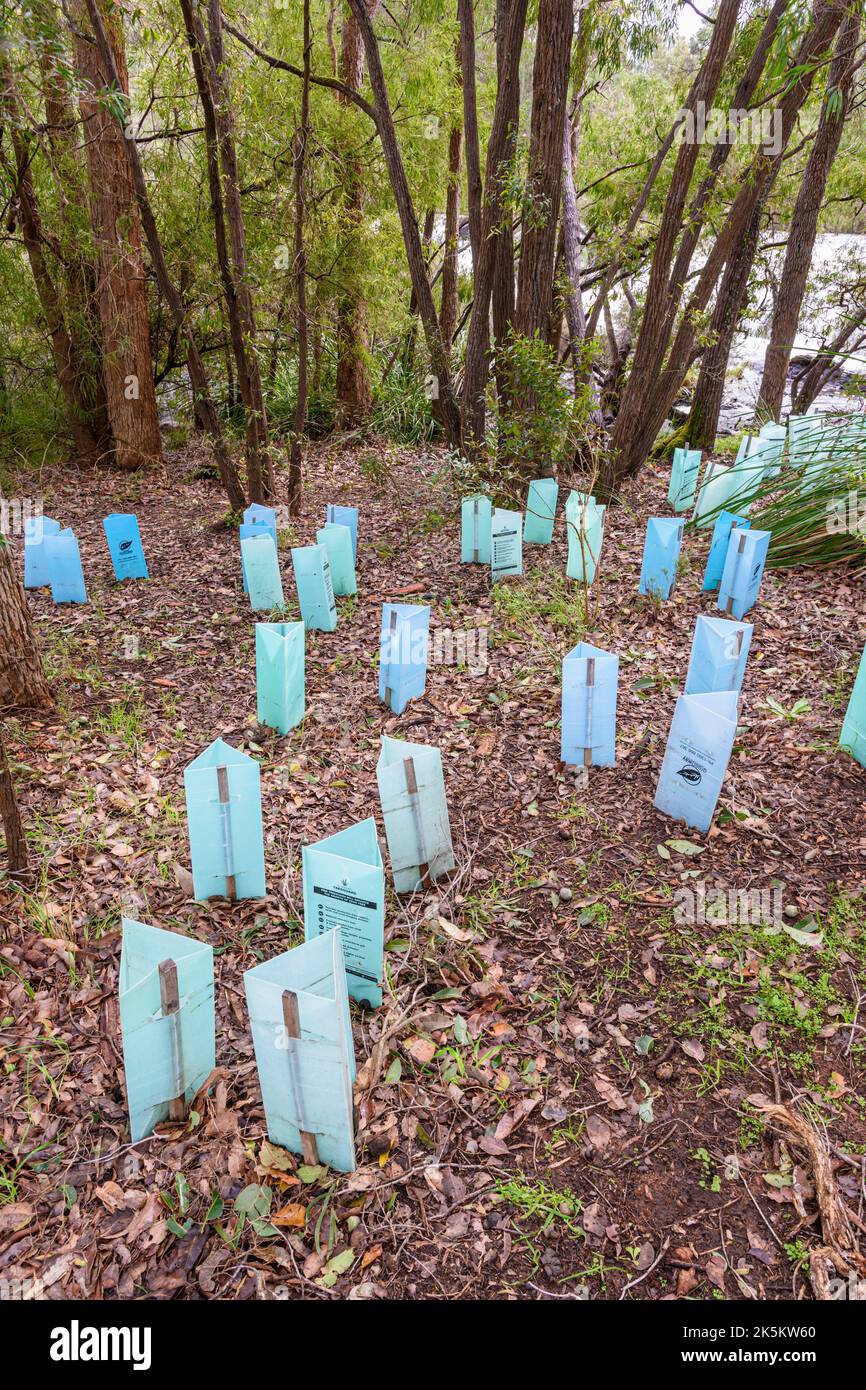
561,1094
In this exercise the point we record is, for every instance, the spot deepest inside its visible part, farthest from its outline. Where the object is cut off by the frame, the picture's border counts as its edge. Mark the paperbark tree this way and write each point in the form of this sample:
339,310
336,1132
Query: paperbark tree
22,681
121,288
804,223
198,376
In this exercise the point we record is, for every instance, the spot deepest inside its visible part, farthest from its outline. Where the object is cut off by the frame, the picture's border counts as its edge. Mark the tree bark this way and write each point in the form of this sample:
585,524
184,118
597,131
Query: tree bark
22,681
653,337
503,292
703,421
650,393
493,215
16,845
195,366
450,256
534,309
296,461
120,289
354,395
804,223
466,16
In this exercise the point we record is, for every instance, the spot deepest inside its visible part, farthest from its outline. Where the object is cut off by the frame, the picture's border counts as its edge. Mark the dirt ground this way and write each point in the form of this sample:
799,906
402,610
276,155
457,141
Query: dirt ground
561,1096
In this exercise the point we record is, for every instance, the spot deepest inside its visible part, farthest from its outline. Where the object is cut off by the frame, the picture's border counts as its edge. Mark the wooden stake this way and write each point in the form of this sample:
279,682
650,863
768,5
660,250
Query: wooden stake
729,602
16,845
392,628
169,998
475,532
590,691
292,1024
412,789
225,816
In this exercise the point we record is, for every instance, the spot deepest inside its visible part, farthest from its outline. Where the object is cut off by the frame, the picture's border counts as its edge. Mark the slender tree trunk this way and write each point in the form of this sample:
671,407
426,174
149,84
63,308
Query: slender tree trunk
22,681
121,288
534,310
804,223
447,409
300,154
466,16
503,292
493,215
16,845
354,395
806,387
703,421
230,237
450,257
648,397
260,471
195,366
652,340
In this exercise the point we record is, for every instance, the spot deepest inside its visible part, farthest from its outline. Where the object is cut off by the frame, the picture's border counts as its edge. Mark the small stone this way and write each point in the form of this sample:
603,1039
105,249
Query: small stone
792,911
565,894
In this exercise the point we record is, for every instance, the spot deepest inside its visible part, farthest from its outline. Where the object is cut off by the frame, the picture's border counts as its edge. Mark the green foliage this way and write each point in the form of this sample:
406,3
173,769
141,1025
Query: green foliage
540,424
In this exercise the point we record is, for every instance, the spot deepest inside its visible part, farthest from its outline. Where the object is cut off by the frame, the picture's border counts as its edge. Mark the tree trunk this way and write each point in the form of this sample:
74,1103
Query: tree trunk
195,366
703,421
354,396
502,294
21,678
208,62
121,289
16,845
447,410
804,223
649,396
450,257
493,215
300,153
534,311
466,16
653,337
806,387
